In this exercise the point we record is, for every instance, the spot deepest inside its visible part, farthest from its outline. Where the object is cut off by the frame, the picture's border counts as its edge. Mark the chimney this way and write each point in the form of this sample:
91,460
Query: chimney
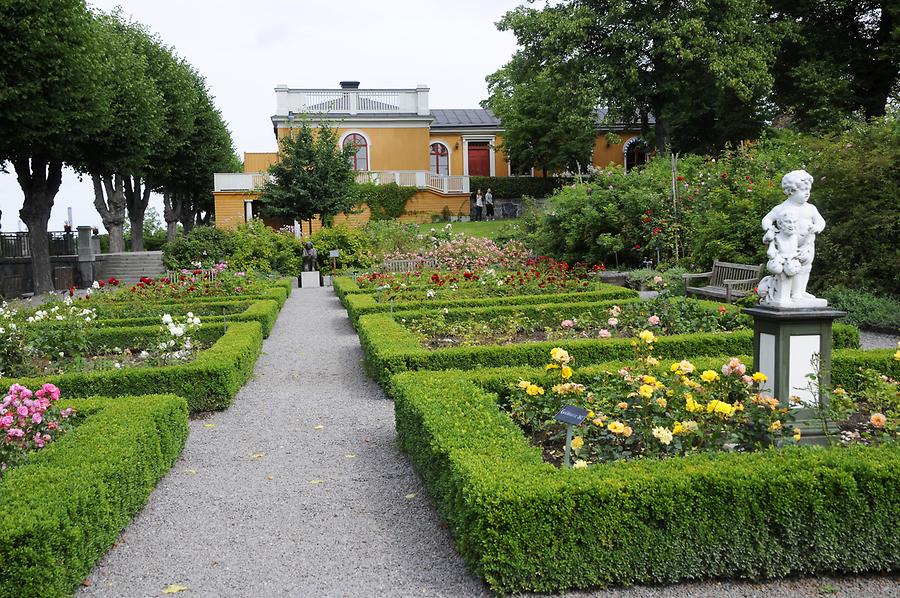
349,84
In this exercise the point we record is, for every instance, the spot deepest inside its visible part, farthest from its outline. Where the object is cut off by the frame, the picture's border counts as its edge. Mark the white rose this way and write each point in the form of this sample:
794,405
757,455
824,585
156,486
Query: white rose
96,285
166,319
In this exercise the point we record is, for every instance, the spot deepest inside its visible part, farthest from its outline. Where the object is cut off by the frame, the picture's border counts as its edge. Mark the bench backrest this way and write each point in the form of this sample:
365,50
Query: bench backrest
413,265
722,271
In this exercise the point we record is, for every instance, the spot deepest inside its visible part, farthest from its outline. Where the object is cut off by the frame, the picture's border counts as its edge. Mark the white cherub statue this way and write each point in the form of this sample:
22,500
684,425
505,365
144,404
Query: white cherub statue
791,228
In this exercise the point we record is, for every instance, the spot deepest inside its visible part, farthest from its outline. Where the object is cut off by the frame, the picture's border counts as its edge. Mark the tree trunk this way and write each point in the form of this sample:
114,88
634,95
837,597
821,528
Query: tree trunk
172,203
661,129
40,180
187,217
137,200
111,208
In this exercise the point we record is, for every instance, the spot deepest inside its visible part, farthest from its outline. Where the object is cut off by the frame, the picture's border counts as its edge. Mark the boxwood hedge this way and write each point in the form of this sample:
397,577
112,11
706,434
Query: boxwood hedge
390,348
209,382
524,525
62,509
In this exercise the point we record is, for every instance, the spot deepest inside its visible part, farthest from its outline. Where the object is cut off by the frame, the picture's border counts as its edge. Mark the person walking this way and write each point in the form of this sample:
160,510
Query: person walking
479,205
489,204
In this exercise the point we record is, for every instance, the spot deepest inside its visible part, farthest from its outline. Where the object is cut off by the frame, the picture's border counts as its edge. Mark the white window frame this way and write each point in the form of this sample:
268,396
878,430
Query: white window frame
368,147
449,155
479,138
512,174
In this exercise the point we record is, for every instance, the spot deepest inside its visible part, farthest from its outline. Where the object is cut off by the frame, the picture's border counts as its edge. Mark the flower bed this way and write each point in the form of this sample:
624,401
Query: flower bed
757,515
209,382
65,506
359,304
392,348
570,322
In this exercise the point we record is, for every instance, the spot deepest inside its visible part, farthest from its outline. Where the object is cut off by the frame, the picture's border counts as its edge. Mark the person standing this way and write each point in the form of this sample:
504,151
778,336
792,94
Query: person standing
479,205
489,204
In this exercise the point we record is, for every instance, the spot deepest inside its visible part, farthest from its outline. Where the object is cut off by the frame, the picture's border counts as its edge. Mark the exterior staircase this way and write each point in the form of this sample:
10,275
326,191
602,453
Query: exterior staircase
129,267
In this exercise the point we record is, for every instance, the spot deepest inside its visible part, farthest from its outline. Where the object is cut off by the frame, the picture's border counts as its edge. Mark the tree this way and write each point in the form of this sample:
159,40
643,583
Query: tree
188,189
120,150
548,122
50,104
838,57
313,177
684,63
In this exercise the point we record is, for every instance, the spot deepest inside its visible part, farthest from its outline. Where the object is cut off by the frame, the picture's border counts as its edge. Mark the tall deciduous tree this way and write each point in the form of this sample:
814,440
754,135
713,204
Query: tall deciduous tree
838,57
548,119
120,150
312,177
50,103
683,62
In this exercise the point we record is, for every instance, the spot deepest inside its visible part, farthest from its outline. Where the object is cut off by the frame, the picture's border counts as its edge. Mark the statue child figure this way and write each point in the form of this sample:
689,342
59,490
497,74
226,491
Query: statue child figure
791,253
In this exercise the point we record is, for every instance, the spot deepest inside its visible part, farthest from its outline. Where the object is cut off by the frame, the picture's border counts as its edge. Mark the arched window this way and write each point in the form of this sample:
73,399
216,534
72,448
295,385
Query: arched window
360,158
636,153
440,159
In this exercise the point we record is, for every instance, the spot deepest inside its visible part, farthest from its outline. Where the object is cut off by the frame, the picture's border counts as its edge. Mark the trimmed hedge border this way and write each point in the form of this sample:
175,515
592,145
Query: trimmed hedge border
359,305
62,509
264,311
209,383
524,525
390,348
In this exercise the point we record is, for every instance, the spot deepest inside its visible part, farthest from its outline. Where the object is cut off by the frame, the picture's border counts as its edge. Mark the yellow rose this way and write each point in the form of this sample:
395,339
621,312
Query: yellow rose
647,336
598,421
523,384
664,435
662,402
590,415
686,366
840,391
645,391
652,361
551,366
797,434
690,404
677,428
566,372
759,377
776,425
616,427
534,389
580,464
690,426
622,405
649,380
577,442
709,376
627,431
674,368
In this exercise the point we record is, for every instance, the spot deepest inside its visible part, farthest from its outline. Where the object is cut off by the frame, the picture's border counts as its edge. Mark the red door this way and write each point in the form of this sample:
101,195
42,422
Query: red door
479,158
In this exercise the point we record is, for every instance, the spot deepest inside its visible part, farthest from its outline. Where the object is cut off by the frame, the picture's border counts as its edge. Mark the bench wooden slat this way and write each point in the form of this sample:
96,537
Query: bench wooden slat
740,276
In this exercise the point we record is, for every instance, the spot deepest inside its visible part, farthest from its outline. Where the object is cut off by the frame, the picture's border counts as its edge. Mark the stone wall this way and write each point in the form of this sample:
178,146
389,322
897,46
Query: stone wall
16,277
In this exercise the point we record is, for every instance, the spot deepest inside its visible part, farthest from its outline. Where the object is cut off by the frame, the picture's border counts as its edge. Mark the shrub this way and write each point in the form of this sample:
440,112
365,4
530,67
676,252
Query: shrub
351,242
515,187
207,245
258,248
866,309
62,510
758,515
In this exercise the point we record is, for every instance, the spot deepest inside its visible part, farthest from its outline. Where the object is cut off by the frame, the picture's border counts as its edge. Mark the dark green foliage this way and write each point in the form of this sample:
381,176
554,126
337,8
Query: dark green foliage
208,383
205,244
312,178
758,515
62,510
866,309
857,191
516,187
386,202
353,243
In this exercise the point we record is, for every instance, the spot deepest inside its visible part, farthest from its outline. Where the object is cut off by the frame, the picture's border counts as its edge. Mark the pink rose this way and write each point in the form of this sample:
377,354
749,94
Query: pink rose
726,370
567,324
653,320
6,421
612,322
747,380
37,418
15,433
22,410
604,333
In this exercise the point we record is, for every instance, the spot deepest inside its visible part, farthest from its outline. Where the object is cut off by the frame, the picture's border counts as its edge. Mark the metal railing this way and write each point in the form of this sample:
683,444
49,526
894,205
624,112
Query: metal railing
19,245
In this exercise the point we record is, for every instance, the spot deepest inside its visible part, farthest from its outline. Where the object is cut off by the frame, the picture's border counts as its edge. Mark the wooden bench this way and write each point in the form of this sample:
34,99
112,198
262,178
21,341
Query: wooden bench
413,265
726,281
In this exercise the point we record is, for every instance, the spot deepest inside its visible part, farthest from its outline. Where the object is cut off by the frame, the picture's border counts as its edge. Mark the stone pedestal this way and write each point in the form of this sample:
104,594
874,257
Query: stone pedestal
788,345
310,279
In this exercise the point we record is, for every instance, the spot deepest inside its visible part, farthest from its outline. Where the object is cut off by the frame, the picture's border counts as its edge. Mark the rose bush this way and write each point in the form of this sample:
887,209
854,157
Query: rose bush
29,421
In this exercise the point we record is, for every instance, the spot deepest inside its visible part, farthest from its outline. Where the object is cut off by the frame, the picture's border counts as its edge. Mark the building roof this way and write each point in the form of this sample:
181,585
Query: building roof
461,118
481,118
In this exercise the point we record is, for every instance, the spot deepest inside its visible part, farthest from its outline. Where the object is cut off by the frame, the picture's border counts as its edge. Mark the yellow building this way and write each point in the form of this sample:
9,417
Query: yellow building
398,138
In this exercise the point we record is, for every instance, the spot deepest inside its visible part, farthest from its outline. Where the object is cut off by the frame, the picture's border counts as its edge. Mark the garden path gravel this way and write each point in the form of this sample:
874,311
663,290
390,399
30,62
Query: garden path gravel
299,489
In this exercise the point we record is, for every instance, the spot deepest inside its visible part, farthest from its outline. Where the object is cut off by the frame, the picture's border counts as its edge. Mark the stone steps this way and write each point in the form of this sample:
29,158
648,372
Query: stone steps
129,268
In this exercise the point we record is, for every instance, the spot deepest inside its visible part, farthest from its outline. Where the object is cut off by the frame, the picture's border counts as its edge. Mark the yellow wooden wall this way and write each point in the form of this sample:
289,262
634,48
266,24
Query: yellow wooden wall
229,208
390,148
259,161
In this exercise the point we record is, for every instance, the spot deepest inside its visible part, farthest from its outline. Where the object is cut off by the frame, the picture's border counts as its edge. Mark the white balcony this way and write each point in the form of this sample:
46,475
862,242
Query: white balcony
348,101
420,179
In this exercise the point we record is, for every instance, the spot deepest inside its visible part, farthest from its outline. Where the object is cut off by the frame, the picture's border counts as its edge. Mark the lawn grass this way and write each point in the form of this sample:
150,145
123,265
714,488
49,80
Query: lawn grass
483,229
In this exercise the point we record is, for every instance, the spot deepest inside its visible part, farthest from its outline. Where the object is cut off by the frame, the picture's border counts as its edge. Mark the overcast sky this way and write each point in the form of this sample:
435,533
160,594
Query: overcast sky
246,48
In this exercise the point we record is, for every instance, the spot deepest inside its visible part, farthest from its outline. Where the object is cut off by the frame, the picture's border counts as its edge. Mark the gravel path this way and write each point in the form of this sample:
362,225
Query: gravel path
878,340
299,490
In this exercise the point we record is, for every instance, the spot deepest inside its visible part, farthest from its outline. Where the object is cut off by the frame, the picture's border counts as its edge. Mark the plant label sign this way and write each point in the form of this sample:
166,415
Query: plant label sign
334,253
572,415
